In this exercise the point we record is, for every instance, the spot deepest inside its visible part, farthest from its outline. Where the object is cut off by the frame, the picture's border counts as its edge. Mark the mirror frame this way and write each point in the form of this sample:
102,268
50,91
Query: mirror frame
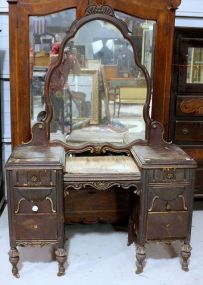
103,13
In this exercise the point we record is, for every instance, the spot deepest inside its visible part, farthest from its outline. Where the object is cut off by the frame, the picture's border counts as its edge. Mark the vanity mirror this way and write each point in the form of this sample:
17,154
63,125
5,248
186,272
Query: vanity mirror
97,77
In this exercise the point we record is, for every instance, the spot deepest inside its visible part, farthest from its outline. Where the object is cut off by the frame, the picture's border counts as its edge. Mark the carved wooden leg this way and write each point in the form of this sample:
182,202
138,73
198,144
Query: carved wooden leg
131,238
61,257
185,254
140,255
14,258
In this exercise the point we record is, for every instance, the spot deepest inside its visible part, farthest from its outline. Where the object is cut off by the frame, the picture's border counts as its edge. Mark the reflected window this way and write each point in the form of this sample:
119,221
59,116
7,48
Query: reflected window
143,32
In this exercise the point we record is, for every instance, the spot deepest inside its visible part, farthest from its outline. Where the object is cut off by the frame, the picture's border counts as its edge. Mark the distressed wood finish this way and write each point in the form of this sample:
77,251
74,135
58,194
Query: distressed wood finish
35,201
166,199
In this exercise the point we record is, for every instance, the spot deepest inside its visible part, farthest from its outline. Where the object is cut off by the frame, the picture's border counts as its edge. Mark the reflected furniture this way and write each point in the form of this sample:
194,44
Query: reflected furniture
130,96
186,116
146,180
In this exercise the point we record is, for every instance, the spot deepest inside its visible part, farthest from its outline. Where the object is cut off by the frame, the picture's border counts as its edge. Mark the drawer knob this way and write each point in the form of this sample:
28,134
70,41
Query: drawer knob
35,209
185,131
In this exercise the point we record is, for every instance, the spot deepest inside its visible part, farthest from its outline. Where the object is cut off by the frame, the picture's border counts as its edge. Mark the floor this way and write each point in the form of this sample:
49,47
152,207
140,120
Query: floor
98,255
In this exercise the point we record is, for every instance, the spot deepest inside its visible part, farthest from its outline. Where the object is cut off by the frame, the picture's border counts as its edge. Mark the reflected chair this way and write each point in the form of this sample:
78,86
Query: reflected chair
110,92
129,95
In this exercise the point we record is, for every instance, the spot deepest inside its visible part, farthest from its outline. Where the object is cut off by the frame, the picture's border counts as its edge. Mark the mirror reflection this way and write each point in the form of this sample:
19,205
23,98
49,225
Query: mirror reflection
44,31
98,91
195,65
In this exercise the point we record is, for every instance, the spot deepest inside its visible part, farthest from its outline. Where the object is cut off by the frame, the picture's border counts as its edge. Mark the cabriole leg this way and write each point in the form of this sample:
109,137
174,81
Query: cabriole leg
14,258
140,256
61,257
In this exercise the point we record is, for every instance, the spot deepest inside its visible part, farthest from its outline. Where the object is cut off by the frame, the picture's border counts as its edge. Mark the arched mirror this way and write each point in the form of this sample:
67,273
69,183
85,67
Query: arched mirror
98,80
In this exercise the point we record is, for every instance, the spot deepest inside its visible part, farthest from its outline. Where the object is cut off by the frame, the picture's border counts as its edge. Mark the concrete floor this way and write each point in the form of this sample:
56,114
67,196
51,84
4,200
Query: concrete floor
98,255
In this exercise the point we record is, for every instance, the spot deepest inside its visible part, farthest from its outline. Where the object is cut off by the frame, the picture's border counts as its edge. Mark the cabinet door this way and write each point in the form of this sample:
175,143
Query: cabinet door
186,112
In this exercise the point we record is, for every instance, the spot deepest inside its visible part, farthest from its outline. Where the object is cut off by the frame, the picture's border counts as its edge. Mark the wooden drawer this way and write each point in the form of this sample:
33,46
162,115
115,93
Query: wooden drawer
189,131
168,197
189,106
33,227
34,200
34,177
162,226
90,206
168,175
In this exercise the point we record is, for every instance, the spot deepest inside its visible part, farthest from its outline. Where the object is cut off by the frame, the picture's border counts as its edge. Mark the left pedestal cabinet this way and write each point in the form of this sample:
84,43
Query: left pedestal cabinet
35,201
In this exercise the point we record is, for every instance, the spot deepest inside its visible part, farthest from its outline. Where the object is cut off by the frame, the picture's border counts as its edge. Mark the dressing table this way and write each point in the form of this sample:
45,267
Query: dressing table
112,168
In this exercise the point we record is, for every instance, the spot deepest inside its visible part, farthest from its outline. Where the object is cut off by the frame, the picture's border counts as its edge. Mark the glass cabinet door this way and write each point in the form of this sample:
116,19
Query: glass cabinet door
190,67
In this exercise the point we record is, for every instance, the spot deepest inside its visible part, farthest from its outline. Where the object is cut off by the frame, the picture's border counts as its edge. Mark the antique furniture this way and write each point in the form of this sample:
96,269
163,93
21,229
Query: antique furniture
35,201
186,115
148,180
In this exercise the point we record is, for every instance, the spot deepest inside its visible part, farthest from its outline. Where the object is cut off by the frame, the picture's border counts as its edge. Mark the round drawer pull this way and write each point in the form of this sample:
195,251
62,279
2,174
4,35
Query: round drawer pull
35,209
185,131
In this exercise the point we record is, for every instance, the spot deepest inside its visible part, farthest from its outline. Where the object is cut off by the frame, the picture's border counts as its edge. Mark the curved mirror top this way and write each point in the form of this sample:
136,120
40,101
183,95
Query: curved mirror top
98,91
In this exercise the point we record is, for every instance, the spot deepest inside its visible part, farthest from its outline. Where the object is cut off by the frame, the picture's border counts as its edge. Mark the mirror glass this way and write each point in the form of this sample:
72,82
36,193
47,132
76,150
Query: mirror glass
195,65
98,91
44,31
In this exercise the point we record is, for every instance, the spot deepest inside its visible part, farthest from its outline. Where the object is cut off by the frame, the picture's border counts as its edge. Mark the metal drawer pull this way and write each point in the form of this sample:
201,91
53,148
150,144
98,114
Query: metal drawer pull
185,131
35,209
18,208
52,206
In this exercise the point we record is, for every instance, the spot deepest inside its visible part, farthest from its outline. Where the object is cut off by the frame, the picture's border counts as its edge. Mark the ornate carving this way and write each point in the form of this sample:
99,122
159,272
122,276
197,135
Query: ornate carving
192,106
98,185
52,206
163,193
140,256
152,205
18,207
14,258
185,254
61,257
99,9
184,204
170,198
34,243
169,174
173,4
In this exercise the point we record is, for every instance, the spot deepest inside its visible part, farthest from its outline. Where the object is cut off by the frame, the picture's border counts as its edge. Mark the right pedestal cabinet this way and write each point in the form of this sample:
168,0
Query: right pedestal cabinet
166,195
